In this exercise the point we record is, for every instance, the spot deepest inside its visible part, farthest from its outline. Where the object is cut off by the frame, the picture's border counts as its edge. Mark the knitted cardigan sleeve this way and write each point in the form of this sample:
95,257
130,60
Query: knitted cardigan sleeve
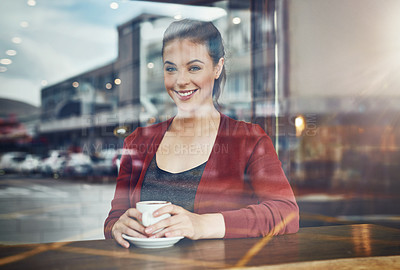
277,211
127,177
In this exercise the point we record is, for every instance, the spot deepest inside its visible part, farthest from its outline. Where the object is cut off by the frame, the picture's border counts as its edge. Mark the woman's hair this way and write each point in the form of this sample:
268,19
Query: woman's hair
202,33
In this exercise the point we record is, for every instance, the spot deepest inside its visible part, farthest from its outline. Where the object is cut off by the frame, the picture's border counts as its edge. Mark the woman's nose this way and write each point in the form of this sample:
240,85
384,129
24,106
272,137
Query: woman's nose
183,79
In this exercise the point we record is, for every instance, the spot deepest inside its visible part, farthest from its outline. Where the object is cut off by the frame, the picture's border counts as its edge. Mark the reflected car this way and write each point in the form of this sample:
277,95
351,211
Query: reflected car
78,165
107,162
54,164
30,165
11,162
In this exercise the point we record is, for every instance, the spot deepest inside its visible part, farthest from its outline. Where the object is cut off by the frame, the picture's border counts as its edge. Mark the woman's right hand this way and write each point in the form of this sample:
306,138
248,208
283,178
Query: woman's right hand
128,224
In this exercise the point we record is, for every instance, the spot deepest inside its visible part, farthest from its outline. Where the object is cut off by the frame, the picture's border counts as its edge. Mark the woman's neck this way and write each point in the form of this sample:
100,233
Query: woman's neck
199,122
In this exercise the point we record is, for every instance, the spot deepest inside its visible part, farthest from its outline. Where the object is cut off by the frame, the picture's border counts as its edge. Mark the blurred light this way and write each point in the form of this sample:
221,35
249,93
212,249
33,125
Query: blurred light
108,85
236,20
16,40
3,69
75,84
300,124
24,24
11,52
178,17
151,120
43,83
5,61
299,121
114,5
31,3
122,131
117,81
150,65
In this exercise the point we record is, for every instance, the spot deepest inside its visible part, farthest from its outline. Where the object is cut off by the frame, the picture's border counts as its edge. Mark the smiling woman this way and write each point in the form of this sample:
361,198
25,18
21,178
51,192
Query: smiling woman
240,191
190,80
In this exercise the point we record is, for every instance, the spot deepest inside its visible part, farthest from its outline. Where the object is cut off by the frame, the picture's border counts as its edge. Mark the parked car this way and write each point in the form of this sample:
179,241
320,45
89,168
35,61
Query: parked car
10,162
30,165
78,165
54,164
107,162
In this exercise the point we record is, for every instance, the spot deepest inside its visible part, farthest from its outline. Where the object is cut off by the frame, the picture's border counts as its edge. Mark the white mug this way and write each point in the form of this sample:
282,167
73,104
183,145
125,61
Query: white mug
147,209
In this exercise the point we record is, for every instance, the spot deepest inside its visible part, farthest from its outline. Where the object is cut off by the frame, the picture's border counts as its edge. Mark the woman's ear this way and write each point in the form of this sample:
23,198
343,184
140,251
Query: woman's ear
218,67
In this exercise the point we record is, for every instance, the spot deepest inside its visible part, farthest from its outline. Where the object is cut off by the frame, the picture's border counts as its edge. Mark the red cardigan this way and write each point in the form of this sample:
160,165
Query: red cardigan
243,180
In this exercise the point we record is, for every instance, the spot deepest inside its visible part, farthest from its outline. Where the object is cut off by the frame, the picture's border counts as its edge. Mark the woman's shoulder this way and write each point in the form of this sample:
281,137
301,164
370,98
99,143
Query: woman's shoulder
241,128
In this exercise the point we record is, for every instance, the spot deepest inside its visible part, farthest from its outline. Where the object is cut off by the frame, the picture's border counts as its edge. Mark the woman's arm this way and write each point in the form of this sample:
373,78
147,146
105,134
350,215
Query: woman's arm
128,174
277,211
120,202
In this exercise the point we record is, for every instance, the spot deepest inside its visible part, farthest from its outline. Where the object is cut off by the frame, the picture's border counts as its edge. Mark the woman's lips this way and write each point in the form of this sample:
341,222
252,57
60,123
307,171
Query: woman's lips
185,95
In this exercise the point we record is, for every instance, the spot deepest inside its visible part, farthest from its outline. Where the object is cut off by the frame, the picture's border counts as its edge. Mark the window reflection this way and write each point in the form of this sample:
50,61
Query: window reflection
325,92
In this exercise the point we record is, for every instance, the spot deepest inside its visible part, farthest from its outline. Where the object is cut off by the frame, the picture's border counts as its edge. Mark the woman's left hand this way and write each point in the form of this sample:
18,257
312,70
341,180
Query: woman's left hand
187,224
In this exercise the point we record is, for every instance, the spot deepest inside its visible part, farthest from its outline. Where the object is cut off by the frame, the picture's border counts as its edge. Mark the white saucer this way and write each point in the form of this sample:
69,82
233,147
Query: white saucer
152,242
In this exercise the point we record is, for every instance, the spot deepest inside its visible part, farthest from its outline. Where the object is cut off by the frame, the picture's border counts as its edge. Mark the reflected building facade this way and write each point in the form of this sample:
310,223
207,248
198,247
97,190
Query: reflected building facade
324,89
347,139
84,110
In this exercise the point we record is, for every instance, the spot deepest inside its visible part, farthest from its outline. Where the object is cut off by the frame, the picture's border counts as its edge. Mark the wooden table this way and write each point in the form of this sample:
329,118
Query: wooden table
348,246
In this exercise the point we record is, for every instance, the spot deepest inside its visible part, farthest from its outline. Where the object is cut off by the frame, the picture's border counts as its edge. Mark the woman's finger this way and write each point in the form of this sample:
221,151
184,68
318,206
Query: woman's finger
178,225
118,238
169,209
132,224
133,233
128,224
165,223
134,213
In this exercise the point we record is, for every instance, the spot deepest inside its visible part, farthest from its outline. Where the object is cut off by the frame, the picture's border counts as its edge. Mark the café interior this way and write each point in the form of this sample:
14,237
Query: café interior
321,78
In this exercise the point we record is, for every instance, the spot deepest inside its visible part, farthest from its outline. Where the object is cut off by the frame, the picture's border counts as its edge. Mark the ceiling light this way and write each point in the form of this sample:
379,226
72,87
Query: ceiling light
5,61
24,24
31,3
122,131
16,40
114,5
236,20
11,52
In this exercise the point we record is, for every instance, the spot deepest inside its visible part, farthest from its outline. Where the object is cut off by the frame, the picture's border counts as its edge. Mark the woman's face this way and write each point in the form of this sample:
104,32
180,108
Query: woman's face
189,74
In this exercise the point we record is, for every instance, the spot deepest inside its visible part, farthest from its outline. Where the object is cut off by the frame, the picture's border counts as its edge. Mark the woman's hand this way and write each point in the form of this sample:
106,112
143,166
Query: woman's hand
128,224
187,224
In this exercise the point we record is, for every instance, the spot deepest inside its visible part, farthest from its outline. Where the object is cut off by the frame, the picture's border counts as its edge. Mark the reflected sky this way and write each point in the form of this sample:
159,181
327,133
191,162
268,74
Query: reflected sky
43,42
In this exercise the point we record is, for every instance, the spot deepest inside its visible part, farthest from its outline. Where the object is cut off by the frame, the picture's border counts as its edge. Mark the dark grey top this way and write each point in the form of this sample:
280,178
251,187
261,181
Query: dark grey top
177,188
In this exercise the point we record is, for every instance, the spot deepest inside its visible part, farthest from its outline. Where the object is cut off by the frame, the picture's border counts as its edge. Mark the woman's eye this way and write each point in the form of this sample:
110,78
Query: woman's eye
194,68
170,69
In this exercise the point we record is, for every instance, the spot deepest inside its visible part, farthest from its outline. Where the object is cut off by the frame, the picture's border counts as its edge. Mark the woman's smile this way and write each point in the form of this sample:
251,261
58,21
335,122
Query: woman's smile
186,94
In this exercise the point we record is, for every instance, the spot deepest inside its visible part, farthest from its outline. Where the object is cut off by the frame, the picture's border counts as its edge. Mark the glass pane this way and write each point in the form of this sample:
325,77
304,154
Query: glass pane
77,78
343,111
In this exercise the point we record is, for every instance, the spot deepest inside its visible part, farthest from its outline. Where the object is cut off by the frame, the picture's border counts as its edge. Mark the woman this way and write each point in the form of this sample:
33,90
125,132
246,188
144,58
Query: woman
222,176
